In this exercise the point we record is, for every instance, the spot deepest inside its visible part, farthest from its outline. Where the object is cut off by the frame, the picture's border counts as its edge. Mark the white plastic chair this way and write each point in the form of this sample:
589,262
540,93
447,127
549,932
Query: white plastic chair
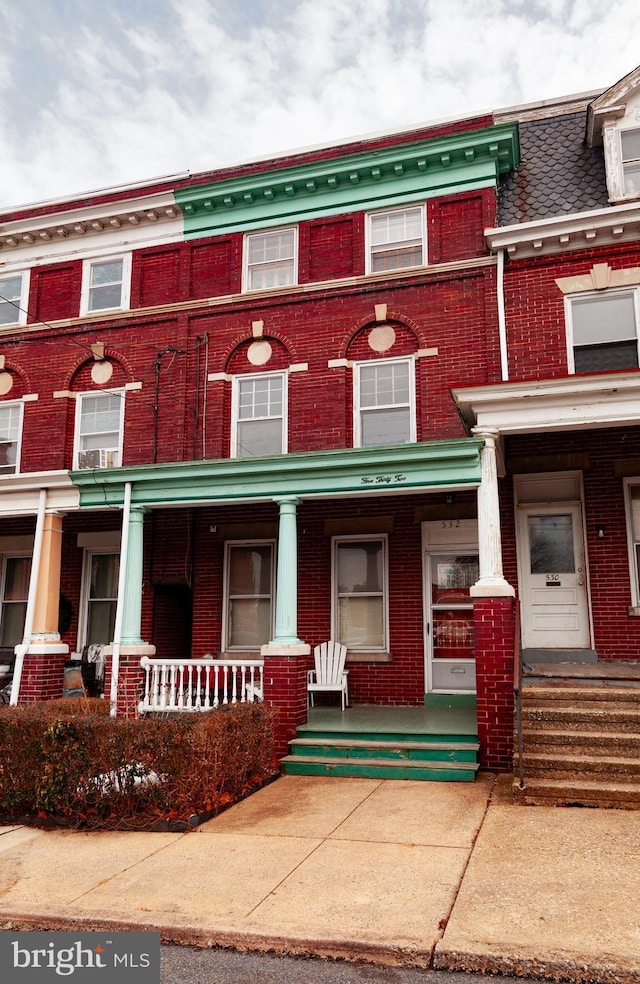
329,674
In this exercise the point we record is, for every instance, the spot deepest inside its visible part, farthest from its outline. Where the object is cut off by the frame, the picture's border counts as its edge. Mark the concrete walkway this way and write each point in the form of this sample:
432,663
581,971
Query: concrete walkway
450,875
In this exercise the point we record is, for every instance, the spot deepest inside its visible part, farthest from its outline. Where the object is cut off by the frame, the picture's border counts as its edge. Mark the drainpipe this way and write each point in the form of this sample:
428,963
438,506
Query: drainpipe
502,320
122,577
31,600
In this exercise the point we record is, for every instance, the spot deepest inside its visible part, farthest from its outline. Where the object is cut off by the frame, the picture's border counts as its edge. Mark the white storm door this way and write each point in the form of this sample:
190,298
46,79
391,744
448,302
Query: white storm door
553,586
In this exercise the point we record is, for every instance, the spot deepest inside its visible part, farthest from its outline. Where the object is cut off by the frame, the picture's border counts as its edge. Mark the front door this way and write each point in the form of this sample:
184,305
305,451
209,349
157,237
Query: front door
553,581
450,568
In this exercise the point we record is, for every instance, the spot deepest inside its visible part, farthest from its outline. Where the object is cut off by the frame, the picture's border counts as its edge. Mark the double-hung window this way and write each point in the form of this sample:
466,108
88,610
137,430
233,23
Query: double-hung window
101,597
99,427
360,593
106,284
259,415
630,144
396,239
248,595
13,299
604,331
16,572
271,259
10,437
384,402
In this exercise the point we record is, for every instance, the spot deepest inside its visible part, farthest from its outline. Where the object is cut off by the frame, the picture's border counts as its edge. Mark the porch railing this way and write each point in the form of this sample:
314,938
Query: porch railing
199,684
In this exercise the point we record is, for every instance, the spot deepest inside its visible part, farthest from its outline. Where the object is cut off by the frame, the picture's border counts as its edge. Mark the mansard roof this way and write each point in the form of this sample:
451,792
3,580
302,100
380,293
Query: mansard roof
557,175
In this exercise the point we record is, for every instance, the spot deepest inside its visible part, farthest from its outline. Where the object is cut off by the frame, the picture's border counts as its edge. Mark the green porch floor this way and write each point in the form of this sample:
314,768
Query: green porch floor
451,716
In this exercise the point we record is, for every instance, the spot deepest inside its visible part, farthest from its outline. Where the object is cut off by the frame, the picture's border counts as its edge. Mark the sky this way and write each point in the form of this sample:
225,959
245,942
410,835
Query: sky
97,93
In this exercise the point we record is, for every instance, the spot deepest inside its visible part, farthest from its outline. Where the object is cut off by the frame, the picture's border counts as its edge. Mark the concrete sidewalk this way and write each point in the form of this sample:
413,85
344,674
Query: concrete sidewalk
449,875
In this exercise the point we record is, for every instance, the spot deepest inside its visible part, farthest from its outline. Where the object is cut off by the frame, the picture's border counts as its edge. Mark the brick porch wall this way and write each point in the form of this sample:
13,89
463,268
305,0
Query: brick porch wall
494,626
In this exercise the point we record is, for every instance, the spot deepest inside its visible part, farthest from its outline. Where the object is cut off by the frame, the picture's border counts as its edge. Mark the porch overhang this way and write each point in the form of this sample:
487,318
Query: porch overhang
542,406
395,469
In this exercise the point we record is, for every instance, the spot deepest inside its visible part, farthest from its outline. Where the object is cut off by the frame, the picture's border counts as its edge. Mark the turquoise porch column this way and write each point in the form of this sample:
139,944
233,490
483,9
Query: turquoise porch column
287,576
132,614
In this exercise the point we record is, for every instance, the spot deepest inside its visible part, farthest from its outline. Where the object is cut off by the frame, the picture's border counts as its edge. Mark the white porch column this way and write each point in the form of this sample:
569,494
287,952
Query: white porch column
287,576
491,582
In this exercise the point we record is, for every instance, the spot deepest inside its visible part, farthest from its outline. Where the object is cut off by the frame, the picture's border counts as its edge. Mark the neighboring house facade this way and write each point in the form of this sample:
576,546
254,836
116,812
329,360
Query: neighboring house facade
322,397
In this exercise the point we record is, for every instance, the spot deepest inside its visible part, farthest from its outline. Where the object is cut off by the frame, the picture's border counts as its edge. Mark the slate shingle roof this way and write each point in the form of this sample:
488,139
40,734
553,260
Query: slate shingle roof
557,174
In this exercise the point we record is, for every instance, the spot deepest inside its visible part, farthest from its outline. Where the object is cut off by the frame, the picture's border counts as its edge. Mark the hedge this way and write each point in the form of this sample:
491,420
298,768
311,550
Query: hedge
67,763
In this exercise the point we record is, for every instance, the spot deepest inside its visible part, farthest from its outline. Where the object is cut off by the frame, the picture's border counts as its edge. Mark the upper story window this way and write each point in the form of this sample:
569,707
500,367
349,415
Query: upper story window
396,239
13,299
10,437
99,430
259,415
360,596
604,331
106,284
384,402
630,142
270,259
248,595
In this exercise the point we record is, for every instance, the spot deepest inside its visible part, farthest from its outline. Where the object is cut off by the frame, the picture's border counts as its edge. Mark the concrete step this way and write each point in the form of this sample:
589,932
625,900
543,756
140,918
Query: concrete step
614,672
592,696
310,765
563,766
347,748
583,742
587,718
569,792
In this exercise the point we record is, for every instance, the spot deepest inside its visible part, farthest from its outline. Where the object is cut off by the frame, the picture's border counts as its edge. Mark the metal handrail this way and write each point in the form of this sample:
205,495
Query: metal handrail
517,691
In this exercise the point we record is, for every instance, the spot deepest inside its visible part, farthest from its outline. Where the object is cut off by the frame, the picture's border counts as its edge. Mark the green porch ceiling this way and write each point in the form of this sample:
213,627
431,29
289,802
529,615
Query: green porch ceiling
394,469
374,179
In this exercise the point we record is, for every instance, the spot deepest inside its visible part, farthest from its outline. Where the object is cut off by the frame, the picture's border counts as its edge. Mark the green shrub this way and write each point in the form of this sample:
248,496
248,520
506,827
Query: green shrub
67,762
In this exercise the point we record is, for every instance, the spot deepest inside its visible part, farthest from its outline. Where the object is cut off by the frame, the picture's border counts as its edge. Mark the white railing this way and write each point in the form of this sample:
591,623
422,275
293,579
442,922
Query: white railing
199,684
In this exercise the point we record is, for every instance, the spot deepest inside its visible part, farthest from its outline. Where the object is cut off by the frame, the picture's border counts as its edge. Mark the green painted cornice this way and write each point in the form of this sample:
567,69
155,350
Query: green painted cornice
372,179
363,471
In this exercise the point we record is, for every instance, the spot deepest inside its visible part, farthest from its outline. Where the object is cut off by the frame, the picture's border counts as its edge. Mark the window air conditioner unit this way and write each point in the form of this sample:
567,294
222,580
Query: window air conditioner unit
97,458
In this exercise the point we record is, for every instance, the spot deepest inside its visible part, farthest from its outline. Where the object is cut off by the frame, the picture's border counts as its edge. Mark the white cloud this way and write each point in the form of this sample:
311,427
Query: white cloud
104,94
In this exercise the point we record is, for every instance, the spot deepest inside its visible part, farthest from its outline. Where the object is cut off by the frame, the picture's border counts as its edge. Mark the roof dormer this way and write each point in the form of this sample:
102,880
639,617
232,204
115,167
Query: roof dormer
613,120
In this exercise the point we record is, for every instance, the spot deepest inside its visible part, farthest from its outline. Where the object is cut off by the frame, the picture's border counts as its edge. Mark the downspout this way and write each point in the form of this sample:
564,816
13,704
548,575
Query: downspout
122,578
502,319
22,648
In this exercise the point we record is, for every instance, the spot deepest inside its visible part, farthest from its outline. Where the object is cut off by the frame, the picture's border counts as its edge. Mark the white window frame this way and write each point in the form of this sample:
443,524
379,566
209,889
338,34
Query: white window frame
125,288
85,591
19,405
383,540
12,555
358,410
247,267
371,248
235,409
597,295
226,597
633,541
80,399
22,298
632,162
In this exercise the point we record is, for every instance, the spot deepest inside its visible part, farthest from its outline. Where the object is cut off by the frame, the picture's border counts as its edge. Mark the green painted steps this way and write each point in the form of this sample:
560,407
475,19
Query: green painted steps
384,756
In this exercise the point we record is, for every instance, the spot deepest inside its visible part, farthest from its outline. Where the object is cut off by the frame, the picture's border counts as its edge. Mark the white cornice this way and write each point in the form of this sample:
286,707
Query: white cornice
20,494
569,403
89,229
560,234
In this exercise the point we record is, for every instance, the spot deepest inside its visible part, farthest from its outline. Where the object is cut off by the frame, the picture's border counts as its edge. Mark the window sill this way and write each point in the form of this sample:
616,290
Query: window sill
357,657
634,611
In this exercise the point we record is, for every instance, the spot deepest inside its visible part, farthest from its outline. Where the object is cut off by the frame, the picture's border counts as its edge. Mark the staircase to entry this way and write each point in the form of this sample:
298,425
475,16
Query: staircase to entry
580,735
386,743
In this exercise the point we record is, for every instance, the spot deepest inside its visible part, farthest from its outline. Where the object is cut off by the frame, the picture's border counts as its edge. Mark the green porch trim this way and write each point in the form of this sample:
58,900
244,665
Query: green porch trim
373,179
394,469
